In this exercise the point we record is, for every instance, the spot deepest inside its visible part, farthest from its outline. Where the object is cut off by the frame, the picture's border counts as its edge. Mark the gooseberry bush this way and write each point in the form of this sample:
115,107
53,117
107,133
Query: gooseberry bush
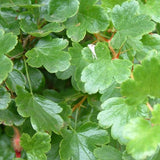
79,80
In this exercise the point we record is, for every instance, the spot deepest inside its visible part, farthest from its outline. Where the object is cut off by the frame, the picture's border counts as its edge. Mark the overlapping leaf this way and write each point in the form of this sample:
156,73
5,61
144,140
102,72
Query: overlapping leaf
14,79
6,67
152,9
143,136
37,79
59,11
44,113
90,18
150,42
10,116
48,53
4,98
8,21
145,83
117,113
110,3
14,3
79,144
31,28
107,153
7,43
6,152
37,146
129,23
103,70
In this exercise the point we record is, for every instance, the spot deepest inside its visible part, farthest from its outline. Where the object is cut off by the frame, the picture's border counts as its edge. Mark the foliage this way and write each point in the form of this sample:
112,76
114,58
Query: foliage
79,80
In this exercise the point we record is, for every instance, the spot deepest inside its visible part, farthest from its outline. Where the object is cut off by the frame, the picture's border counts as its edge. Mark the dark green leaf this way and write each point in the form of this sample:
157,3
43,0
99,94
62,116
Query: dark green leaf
43,112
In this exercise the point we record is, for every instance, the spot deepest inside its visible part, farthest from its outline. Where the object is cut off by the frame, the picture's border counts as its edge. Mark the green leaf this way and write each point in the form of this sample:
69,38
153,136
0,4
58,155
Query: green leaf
151,41
14,79
54,152
79,144
43,112
117,113
6,67
101,72
59,11
6,151
14,3
155,114
129,23
142,146
37,146
112,91
151,8
7,42
78,63
53,95
110,3
31,28
90,18
48,53
107,153
8,21
145,83
4,98
37,79
65,74
10,116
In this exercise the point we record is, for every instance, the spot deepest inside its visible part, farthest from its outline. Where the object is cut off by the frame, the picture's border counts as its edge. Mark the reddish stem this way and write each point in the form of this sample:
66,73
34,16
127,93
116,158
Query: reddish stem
18,154
16,142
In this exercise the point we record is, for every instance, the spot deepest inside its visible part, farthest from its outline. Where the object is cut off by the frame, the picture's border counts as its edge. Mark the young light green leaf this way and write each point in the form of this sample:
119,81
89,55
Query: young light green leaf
110,3
117,113
90,18
37,146
6,67
143,138
14,79
59,11
155,115
79,144
101,72
48,53
129,23
7,42
150,43
107,153
4,98
44,113
10,117
145,83
31,28
151,8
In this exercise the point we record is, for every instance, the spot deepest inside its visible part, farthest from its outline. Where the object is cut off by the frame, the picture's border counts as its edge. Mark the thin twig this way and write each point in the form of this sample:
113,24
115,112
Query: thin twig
79,103
149,107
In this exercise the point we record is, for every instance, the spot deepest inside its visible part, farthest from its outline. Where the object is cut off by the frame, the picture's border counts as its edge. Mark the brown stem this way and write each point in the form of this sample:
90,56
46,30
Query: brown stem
101,38
79,104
